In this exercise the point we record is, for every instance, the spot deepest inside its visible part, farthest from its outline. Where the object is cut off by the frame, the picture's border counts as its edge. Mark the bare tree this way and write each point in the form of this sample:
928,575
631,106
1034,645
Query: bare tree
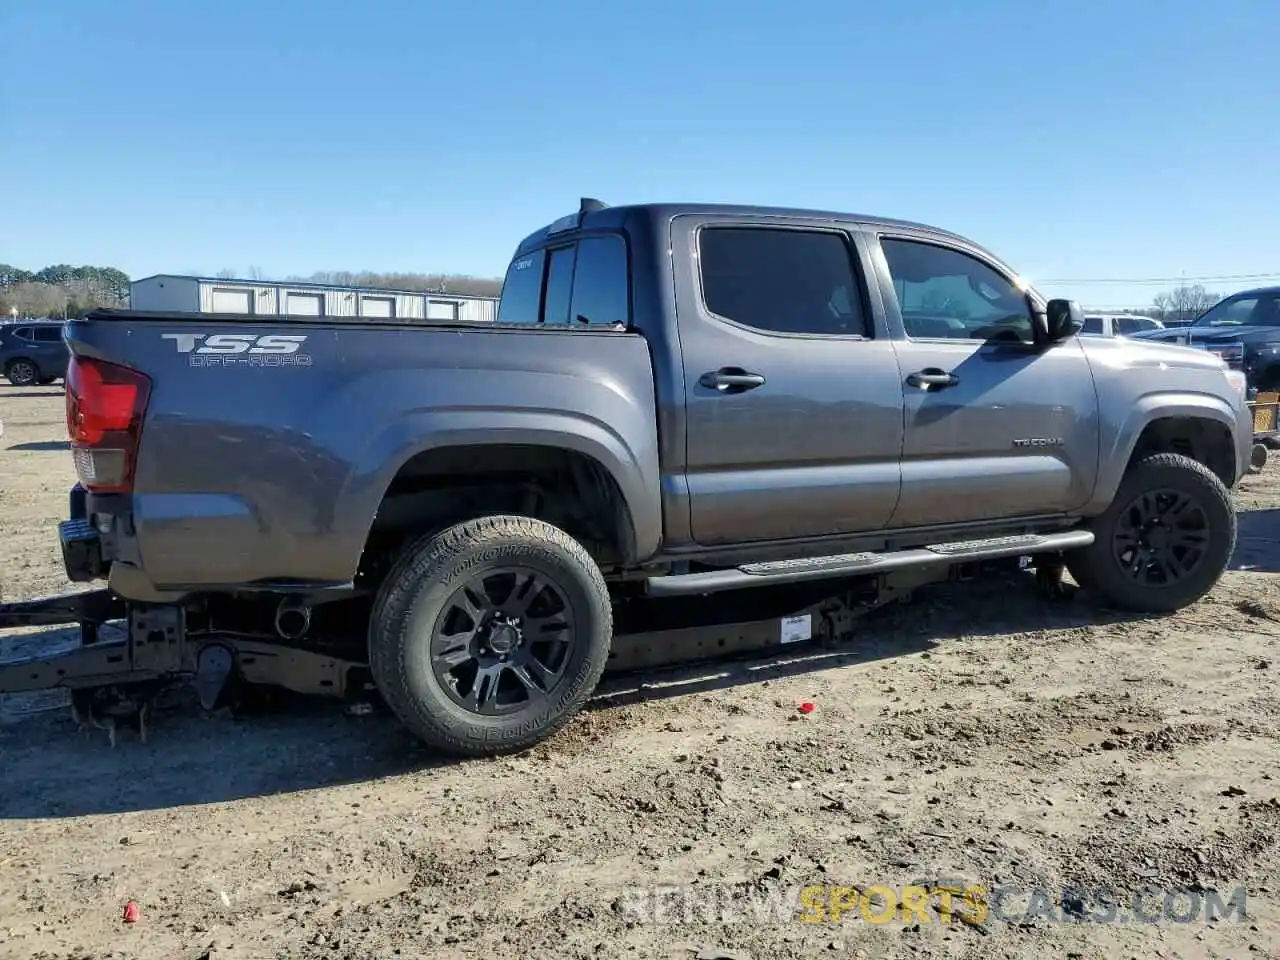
226,273
34,299
257,273
1183,304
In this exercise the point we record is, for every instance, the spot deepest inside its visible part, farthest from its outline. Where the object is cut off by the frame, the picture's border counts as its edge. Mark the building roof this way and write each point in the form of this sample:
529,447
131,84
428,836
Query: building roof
305,285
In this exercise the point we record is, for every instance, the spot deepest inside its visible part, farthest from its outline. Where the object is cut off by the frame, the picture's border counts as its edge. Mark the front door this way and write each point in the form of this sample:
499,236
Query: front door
997,426
792,406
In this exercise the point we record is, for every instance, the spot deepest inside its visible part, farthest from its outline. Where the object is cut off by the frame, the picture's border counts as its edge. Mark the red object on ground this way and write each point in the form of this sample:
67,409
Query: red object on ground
131,912
806,707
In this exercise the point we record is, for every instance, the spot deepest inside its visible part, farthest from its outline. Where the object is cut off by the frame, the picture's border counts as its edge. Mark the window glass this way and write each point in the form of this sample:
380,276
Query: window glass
522,290
600,282
1126,326
781,281
946,294
1092,325
559,285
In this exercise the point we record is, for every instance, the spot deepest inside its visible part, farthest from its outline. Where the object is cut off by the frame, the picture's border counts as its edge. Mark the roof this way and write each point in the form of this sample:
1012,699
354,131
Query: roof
1254,292
615,217
305,285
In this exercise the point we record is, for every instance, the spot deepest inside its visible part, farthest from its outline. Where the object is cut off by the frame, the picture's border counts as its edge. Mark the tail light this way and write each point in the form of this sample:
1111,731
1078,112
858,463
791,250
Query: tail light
105,404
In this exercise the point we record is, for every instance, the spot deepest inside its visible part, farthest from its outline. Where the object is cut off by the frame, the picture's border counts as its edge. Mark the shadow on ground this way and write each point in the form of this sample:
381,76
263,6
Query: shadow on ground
53,769
42,446
32,392
1258,542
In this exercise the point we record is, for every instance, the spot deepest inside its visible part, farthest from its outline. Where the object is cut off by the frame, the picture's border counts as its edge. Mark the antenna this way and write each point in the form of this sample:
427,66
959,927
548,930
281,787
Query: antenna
591,205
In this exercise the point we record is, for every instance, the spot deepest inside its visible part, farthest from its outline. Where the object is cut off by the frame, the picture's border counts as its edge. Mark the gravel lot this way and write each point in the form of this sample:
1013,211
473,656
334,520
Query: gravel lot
981,734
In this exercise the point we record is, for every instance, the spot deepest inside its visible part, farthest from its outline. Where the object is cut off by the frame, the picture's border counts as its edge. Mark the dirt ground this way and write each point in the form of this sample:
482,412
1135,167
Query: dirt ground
981,736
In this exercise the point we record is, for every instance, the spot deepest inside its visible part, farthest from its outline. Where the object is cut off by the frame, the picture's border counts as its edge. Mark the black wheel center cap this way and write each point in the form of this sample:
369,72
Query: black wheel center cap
1158,538
503,638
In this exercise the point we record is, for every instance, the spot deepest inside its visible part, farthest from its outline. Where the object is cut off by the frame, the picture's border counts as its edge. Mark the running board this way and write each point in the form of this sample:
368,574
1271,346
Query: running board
861,564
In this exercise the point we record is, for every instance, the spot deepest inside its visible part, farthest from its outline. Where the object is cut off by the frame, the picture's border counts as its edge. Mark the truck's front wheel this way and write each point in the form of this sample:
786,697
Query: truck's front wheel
488,636
1164,541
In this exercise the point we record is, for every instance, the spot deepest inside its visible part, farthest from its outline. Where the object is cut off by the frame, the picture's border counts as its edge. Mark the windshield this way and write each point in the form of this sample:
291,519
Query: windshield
1253,309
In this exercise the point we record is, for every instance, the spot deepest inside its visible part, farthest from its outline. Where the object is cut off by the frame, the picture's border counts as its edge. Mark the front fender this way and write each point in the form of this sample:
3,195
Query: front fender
1120,436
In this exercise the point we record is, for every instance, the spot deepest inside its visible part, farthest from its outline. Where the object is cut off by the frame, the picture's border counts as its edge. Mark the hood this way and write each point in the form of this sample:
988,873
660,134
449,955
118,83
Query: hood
1131,352
1241,334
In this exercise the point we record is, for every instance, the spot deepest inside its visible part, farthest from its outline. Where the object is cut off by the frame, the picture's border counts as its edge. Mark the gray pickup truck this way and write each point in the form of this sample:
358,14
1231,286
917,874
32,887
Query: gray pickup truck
676,400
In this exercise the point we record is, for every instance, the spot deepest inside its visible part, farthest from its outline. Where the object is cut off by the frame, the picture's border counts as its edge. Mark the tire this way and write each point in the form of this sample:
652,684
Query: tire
443,699
1113,569
22,372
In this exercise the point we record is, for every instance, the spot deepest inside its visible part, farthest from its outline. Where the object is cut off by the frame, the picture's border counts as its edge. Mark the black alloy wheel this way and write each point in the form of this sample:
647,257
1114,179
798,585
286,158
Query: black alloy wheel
502,640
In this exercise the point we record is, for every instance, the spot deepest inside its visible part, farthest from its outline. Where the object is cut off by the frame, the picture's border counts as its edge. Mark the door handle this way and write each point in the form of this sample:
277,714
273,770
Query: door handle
932,377
731,380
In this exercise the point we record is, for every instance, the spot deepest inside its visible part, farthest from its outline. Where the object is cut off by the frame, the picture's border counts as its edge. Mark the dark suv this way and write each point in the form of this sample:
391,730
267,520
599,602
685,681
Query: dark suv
33,352
1243,329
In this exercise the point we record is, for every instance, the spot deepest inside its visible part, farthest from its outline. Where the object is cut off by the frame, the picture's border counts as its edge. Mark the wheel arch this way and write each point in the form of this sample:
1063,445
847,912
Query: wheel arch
470,448
1201,426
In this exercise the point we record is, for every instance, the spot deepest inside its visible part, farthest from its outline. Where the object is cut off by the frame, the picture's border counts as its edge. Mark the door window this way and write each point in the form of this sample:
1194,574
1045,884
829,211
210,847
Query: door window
782,281
946,294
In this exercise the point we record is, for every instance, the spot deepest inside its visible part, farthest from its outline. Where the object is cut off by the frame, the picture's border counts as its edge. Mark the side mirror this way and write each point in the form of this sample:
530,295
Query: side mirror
1063,319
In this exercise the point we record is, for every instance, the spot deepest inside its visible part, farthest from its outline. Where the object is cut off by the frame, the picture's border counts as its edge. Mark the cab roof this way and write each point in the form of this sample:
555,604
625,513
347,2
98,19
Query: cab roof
594,215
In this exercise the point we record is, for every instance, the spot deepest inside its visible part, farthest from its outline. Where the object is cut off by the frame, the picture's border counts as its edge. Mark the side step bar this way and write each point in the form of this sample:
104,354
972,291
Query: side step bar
863,564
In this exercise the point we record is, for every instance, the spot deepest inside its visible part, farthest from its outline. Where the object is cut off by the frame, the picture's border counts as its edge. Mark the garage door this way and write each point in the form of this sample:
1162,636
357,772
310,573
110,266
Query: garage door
378,306
304,304
442,310
230,300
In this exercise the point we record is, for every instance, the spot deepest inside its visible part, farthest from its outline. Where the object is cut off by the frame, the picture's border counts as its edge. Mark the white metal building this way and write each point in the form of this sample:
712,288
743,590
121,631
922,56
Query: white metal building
177,294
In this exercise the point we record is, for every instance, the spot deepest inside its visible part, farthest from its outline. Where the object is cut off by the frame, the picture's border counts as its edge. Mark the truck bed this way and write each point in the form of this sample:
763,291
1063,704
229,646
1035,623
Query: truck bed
268,444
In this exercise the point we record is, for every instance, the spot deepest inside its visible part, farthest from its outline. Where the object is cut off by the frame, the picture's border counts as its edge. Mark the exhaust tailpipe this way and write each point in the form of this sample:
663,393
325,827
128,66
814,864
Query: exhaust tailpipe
293,619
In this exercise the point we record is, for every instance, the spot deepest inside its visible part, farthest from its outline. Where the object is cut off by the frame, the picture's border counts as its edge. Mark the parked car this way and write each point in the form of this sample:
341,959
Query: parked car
33,352
1117,324
676,402
1243,329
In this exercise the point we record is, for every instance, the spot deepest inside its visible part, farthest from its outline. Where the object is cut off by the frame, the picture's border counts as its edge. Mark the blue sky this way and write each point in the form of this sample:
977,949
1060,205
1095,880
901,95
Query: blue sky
1086,139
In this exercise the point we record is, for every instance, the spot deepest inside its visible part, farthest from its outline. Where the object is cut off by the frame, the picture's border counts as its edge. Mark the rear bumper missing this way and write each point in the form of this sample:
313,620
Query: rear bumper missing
155,645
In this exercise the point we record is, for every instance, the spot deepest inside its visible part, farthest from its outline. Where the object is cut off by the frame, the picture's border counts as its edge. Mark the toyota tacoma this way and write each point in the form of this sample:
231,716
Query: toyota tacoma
808,412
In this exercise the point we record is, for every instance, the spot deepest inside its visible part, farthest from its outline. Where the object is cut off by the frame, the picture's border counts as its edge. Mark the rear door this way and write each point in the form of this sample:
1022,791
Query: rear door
997,426
793,406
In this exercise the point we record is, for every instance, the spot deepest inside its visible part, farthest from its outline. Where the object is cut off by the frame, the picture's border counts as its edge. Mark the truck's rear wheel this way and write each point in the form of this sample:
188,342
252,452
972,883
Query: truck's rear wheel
488,636
1164,541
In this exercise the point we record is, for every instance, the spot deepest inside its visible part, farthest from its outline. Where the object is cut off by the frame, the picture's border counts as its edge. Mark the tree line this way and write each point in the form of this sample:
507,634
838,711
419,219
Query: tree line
1175,307
60,290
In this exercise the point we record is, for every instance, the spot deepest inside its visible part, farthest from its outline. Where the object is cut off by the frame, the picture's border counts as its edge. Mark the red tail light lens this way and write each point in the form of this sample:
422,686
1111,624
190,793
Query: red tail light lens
105,405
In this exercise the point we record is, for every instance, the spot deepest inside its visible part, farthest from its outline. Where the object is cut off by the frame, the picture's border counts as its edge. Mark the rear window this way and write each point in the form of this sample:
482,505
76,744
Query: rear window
555,307
1092,325
600,292
522,290
582,284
